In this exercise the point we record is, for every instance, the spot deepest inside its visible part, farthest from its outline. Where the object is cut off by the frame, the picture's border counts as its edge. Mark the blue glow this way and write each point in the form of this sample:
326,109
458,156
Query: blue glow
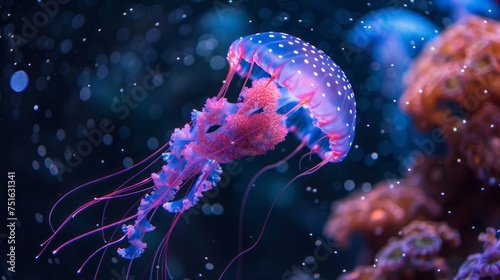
388,23
461,8
19,81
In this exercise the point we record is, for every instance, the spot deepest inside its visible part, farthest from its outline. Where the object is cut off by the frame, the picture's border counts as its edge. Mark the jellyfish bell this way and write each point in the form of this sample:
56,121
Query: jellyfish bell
326,117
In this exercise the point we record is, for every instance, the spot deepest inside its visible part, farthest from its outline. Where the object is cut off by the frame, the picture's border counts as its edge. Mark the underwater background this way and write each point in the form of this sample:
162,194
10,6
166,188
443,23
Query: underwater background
68,66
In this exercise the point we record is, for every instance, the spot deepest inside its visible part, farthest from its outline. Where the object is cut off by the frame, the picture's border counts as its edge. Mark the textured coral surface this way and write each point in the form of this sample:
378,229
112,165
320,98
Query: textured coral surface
453,88
455,75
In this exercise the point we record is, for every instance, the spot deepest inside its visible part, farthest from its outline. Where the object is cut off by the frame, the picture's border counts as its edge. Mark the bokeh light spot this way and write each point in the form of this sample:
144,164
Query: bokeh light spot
127,162
19,81
85,94
152,143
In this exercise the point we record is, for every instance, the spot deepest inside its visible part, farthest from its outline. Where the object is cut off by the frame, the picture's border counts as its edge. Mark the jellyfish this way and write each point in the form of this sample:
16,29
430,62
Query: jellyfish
295,88
392,37
462,8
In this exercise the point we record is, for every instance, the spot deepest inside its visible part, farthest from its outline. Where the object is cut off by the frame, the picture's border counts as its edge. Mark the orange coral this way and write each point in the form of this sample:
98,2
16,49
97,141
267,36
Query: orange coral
479,143
454,85
456,74
385,207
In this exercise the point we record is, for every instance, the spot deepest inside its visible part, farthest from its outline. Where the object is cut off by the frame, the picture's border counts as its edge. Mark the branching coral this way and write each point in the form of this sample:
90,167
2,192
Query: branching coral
417,253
